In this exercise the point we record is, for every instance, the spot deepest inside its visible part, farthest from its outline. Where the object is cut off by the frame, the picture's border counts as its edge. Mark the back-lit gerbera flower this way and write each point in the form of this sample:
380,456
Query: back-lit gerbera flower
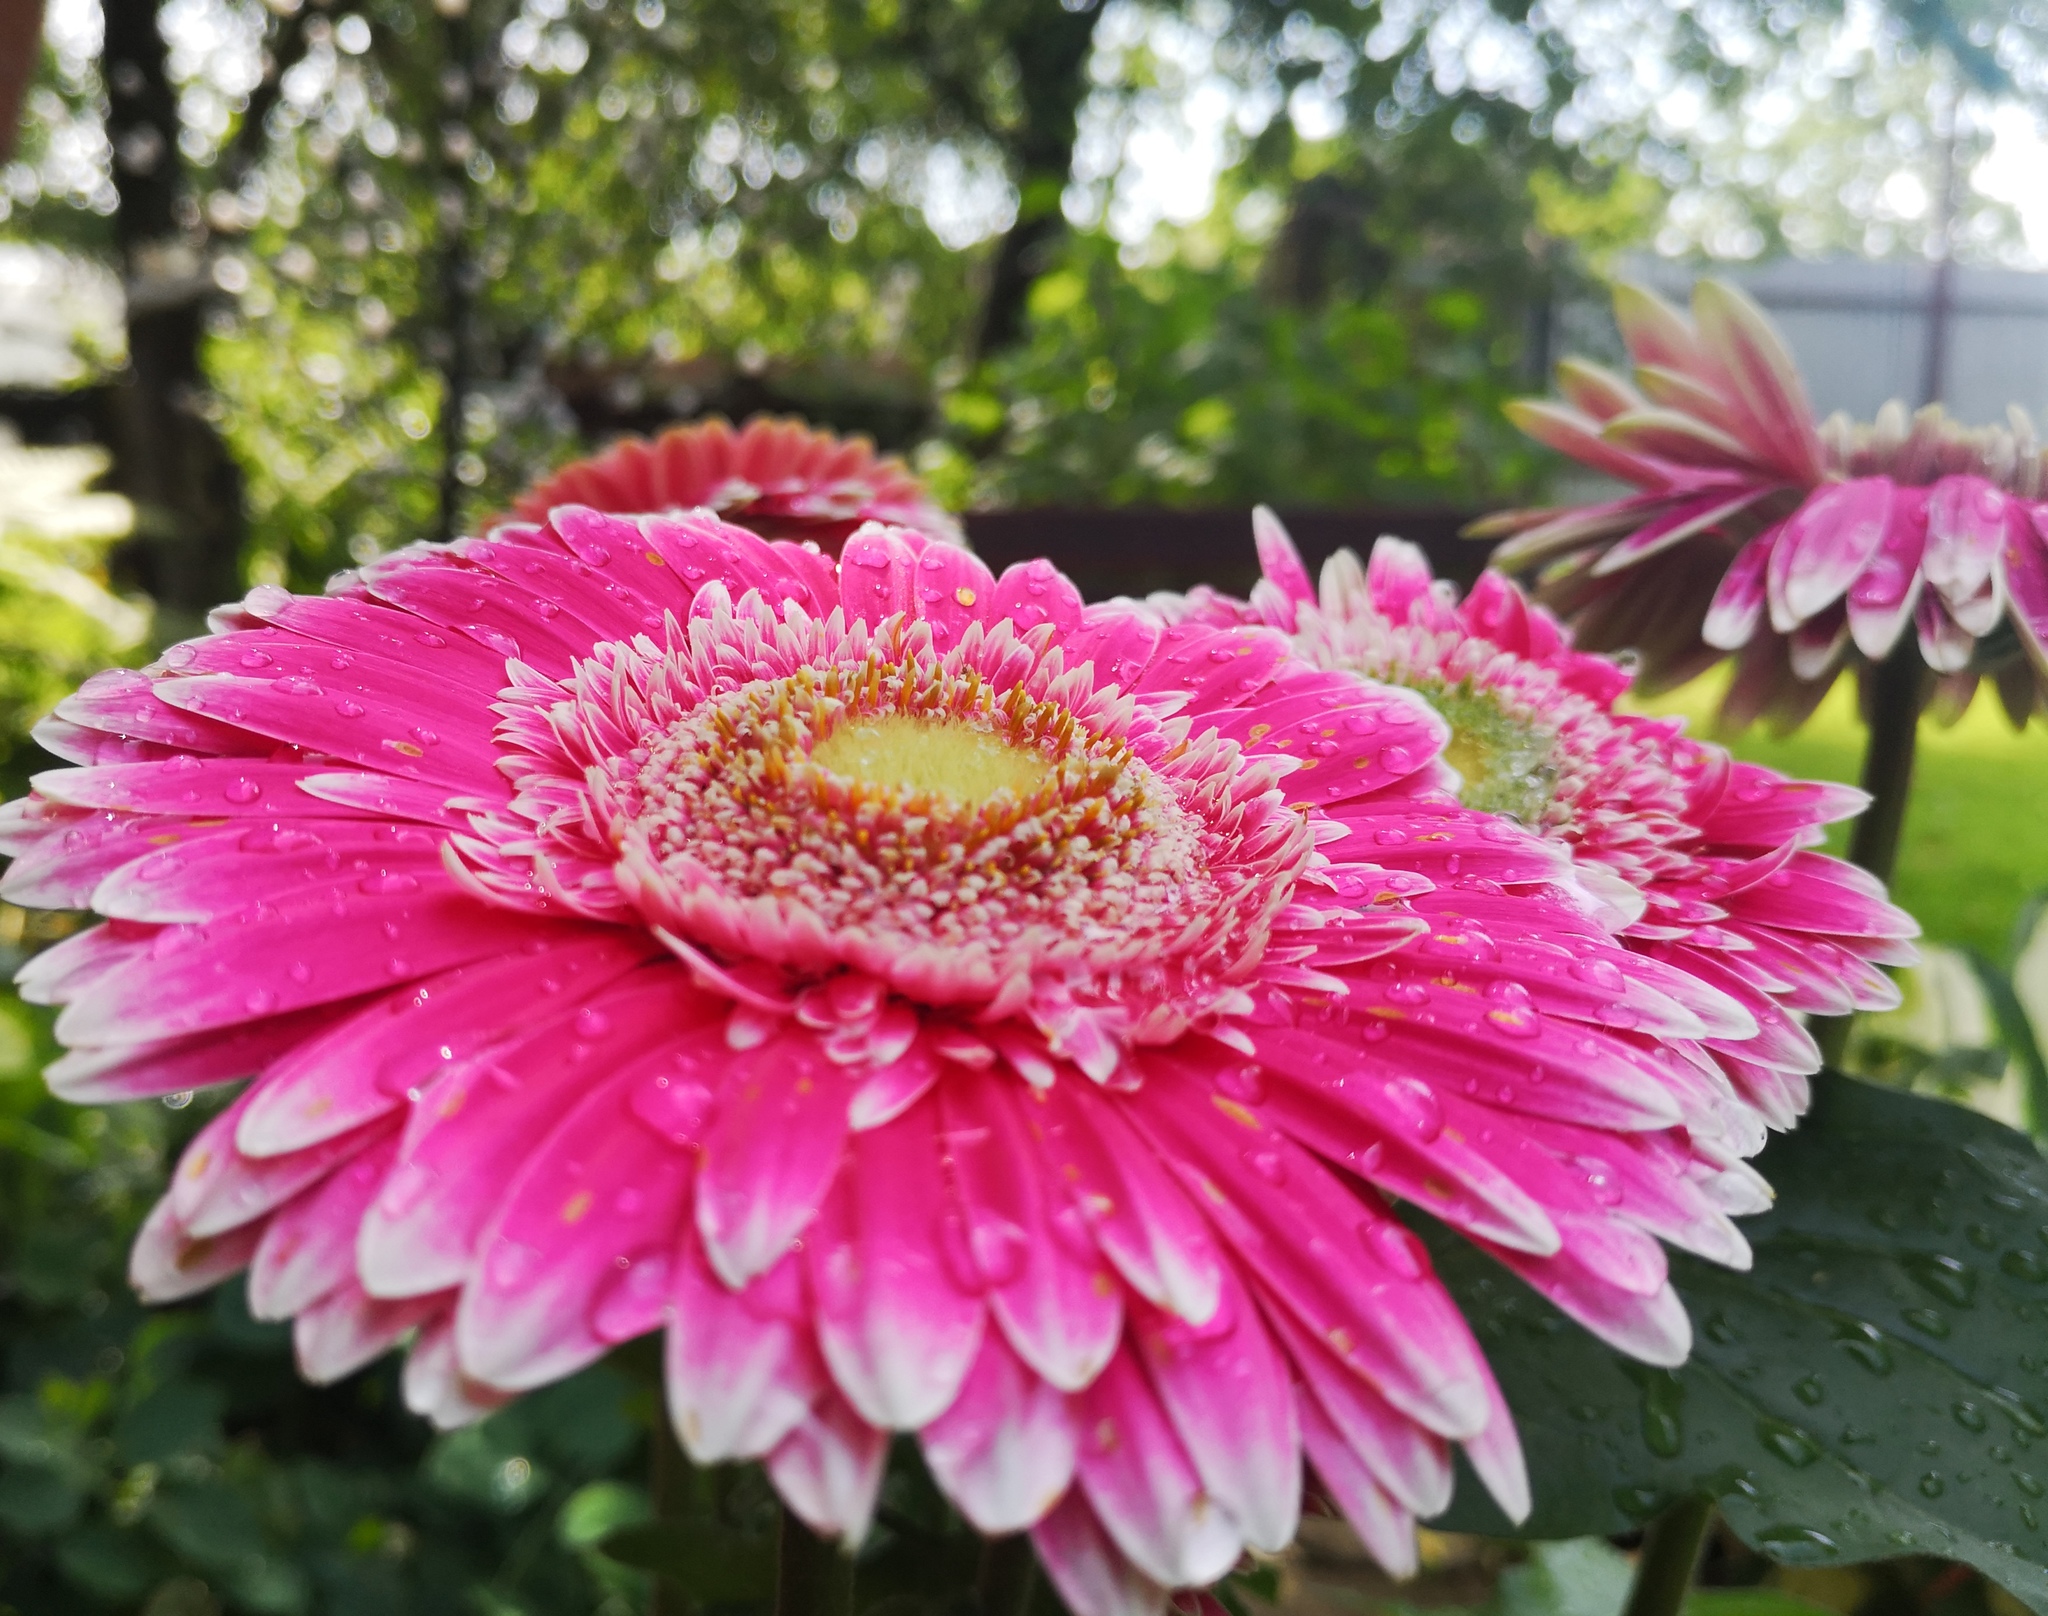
1707,862
1752,530
947,1007
779,478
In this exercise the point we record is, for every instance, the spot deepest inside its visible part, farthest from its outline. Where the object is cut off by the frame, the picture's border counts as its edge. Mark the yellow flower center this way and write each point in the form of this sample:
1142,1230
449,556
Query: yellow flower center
920,756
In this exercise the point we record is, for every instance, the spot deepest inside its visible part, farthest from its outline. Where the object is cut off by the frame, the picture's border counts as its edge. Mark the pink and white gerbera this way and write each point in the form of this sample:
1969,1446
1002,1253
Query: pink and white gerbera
1707,862
946,1007
783,479
1751,530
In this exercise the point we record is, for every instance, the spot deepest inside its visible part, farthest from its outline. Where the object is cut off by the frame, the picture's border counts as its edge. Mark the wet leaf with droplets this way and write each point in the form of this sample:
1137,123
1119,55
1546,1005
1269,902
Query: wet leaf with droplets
1876,1385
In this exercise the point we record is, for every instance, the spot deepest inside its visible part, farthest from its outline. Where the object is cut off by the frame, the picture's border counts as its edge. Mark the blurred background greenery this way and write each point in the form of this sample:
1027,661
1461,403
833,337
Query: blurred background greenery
314,279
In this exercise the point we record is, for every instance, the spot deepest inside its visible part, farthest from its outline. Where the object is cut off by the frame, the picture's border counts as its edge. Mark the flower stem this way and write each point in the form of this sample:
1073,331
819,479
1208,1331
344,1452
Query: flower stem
1671,1550
1895,687
813,1577
1004,1581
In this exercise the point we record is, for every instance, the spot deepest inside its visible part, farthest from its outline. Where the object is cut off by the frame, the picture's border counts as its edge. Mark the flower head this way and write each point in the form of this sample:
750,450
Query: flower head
946,1007
778,478
1706,863
1753,531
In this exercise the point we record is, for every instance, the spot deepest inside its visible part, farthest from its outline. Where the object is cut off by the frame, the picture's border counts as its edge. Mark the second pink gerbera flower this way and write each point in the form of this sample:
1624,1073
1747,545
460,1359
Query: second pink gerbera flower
1707,862
945,1007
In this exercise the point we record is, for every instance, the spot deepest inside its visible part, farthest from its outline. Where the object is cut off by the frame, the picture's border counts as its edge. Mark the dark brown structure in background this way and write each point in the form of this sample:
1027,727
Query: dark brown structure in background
1132,550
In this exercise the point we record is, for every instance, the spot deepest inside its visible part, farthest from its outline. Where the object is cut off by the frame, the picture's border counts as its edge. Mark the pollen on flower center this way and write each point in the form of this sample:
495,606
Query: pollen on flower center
933,757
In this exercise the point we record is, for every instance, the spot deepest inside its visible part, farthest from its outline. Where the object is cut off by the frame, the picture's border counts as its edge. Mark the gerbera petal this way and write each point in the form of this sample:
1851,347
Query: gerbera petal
1141,1218
898,1329
577,1258
348,1328
1052,1293
1226,1389
314,948
829,1470
308,1248
369,1063
1385,1528
773,1148
1004,1450
1093,1576
1142,1485
471,1132
741,1368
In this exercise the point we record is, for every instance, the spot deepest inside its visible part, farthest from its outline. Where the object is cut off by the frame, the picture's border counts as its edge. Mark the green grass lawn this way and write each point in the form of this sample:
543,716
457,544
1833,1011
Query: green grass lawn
1976,840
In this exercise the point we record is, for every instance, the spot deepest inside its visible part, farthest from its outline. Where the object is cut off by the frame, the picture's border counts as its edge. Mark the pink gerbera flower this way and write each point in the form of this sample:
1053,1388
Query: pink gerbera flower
778,478
1707,862
946,1007
1751,530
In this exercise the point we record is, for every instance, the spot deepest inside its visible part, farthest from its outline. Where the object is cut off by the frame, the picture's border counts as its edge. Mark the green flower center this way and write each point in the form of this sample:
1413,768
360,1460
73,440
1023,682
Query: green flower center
1508,763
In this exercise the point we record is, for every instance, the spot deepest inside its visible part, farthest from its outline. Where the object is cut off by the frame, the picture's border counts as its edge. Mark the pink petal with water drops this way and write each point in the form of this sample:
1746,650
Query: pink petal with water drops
357,624
1825,544
829,1470
1144,1488
1050,1288
67,969
61,853
309,1246
1033,593
1966,525
741,1367
217,1188
878,573
577,1258
898,1329
369,1064
1391,1131
1004,1451
1350,1278
121,702
952,589
185,788
347,1329
1118,645
373,717
1092,1575
313,948
774,1145
204,877
1143,1220
1226,1389
91,1076
468,1138
470,602
1411,1465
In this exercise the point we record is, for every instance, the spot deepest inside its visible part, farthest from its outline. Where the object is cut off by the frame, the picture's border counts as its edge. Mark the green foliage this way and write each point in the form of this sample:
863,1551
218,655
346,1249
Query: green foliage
58,619
1873,1387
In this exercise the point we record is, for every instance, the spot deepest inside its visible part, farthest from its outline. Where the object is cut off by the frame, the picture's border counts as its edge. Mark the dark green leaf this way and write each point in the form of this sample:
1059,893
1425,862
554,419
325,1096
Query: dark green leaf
1873,1387
708,1562
181,1417
109,1563
211,1524
35,1501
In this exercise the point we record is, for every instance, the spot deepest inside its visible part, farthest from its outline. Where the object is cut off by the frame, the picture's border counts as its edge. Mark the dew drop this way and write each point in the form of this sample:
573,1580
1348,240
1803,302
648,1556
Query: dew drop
592,1023
1787,1442
241,789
